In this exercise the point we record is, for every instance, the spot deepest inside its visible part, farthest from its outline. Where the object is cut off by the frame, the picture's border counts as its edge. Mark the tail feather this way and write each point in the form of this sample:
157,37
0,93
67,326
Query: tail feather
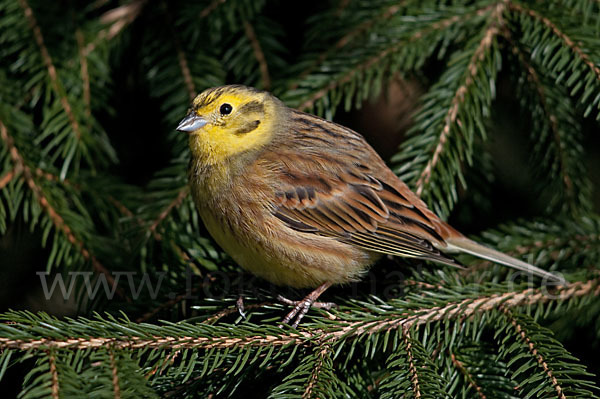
463,244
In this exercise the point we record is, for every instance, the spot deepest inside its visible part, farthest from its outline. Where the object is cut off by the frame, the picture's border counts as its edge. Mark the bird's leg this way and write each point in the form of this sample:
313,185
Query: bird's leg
239,305
302,307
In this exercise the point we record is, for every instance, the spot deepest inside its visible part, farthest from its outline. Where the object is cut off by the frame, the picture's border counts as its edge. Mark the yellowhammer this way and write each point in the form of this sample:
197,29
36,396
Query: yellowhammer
304,202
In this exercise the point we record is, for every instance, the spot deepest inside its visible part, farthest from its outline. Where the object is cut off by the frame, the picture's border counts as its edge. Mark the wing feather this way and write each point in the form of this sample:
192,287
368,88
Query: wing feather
344,190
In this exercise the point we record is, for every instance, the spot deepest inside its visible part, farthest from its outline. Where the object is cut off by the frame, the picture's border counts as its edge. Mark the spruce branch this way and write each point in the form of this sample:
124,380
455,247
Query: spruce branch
470,77
54,373
59,223
118,18
468,376
260,56
324,352
534,351
415,36
567,40
52,73
115,375
181,56
85,75
412,369
177,201
345,40
329,332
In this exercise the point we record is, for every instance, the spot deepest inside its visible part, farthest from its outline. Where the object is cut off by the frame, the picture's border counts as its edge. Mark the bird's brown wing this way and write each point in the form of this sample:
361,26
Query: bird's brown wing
331,182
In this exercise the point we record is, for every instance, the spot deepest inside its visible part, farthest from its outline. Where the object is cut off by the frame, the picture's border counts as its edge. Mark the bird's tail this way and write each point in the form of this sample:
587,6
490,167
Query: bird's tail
463,244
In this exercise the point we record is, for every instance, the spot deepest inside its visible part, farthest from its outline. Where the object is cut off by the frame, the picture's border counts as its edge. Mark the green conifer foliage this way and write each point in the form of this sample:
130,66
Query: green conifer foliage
93,180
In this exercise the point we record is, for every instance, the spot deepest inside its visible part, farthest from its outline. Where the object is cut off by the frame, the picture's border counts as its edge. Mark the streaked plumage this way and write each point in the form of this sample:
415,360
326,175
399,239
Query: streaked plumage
302,201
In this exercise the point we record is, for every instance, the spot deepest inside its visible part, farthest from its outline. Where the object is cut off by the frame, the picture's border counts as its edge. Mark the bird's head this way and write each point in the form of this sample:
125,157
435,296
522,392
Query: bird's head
229,120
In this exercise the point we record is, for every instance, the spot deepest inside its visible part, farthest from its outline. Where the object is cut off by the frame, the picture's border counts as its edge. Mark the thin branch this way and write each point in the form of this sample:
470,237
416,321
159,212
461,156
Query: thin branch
52,73
535,80
211,7
452,310
463,370
412,369
314,375
85,76
173,204
563,36
119,18
459,96
54,375
181,57
54,216
4,180
115,375
534,352
259,55
347,38
443,24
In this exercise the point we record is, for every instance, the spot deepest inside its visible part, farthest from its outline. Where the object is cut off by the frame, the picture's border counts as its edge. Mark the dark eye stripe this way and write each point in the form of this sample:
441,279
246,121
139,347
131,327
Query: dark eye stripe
248,127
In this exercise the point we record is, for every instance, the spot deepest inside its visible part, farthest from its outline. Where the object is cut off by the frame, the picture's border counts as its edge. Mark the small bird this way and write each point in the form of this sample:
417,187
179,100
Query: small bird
304,202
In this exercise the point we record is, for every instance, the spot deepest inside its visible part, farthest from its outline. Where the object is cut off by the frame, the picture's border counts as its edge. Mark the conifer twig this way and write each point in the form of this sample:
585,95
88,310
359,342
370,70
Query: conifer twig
412,369
259,55
533,77
314,375
459,96
442,24
173,204
463,370
115,375
452,310
4,180
344,40
54,375
534,352
55,217
85,76
181,57
52,73
559,33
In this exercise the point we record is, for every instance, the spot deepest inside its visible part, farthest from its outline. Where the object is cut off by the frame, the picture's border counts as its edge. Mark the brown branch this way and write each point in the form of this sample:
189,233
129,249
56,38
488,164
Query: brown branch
450,311
231,310
211,7
412,369
85,76
418,35
563,36
54,216
173,204
463,370
534,352
314,375
181,58
115,375
4,180
259,55
388,13
119,18
52,73
459,96
533,77
54,375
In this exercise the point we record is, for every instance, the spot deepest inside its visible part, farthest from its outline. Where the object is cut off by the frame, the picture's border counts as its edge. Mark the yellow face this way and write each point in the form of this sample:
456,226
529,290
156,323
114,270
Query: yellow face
228,120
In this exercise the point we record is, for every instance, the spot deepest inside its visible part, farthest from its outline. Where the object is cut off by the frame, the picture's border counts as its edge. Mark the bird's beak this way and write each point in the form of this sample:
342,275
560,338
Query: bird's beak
191,123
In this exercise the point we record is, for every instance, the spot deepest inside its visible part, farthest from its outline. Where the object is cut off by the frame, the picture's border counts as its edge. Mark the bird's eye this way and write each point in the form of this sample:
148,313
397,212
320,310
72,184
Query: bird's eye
225,109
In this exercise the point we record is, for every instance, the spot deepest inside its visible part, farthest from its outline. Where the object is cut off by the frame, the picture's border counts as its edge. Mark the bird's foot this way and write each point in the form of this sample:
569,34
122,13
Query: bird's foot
239,305
302,307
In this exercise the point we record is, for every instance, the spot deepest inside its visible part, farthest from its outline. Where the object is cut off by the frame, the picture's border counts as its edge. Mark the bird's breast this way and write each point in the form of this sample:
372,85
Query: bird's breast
243,225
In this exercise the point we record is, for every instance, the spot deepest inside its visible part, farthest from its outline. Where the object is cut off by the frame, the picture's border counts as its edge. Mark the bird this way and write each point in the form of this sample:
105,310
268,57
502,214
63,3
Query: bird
304,202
